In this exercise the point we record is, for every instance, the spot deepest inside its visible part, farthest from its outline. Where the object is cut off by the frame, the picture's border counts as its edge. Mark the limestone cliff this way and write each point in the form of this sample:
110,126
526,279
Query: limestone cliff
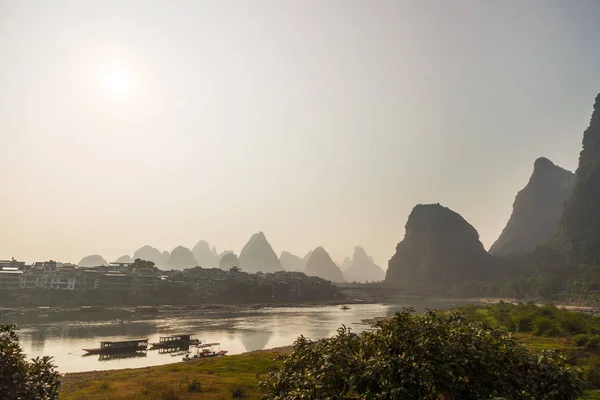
536,211
579,231
439,250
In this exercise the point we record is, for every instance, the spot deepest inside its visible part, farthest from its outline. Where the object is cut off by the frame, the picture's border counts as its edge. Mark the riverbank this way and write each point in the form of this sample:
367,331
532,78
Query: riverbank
226,377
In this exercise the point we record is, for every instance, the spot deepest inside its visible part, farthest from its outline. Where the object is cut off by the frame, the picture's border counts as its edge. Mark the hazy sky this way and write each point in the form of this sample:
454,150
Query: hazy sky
319,122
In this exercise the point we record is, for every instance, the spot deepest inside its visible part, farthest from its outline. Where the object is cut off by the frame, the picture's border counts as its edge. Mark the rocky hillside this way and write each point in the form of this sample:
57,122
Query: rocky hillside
579,231
258,255
439,250
205,256
321,265
362,268
536,211
291,262
93,260
181,258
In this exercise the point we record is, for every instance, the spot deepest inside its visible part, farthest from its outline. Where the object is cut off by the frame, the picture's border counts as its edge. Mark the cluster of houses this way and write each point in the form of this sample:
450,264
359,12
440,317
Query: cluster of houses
205,282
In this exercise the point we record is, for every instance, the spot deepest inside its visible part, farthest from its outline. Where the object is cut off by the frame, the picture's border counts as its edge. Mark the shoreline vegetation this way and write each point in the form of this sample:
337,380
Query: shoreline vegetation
538,328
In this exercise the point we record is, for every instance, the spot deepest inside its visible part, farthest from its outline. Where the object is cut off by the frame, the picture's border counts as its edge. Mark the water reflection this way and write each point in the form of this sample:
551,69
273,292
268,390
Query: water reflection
115,356
255,340
237,331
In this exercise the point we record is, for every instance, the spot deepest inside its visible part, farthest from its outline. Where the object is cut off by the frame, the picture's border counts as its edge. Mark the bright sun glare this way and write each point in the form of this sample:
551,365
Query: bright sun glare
118,80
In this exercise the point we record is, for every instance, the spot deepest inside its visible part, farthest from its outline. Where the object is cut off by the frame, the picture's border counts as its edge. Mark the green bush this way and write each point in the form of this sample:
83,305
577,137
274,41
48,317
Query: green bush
581,340
593,341
523,321
573,322
592,372
23,380
425,357
544,326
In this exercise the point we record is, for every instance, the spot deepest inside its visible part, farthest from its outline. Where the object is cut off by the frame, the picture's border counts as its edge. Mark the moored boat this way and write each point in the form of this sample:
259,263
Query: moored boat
107,347
344,307
174,341
206,350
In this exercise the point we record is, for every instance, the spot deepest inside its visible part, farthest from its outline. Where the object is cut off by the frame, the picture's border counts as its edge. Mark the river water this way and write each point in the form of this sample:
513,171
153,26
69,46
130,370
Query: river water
237,331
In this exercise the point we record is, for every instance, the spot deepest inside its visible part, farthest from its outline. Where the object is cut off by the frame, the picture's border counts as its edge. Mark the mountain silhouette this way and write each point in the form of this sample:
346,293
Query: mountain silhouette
124,259
228,260
362,268
181,258
291,262
320,264
149,253
439,250
205,256
579,231
258,255
93,260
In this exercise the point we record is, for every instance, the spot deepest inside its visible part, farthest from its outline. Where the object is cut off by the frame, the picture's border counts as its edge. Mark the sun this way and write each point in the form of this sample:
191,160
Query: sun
118,80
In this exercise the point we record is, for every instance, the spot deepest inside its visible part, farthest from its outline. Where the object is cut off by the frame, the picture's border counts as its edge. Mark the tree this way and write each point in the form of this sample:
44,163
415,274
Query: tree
23,380
428,357
139,264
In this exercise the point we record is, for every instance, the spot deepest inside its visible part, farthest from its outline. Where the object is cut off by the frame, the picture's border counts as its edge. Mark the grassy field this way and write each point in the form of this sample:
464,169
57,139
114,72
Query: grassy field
213,378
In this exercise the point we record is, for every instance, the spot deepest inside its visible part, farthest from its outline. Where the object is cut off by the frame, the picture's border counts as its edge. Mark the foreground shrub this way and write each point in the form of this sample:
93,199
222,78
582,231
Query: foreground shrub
427,357
20,379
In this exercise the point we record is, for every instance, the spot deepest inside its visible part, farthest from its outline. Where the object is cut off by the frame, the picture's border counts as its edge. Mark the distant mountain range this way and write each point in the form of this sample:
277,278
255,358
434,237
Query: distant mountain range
361,268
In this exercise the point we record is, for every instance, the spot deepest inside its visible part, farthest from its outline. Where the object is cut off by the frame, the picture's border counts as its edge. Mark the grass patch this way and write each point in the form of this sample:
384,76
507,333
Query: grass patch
210,379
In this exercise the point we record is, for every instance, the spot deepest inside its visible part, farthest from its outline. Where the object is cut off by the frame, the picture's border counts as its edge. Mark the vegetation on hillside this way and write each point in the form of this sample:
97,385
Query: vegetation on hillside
576,335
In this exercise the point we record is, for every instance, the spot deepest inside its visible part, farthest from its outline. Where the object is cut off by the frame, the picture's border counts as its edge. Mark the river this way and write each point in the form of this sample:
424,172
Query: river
237,331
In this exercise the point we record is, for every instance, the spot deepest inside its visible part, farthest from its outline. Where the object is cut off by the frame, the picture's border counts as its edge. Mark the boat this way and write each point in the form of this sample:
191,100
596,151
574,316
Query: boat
344,307
125,346
206,350
174,341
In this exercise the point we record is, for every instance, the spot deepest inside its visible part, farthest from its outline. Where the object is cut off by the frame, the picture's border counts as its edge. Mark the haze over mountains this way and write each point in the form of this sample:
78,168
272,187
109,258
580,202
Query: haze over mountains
256,256
362,268
555,222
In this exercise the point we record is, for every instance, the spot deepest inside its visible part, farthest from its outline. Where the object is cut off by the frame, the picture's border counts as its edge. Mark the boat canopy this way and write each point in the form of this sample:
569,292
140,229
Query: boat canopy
176,338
